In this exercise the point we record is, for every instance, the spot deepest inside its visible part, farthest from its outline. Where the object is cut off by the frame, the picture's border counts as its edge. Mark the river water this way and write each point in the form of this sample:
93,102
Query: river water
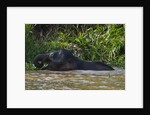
75,80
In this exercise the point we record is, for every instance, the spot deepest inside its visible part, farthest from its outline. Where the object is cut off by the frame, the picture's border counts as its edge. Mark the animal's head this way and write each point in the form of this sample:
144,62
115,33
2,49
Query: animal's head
39,60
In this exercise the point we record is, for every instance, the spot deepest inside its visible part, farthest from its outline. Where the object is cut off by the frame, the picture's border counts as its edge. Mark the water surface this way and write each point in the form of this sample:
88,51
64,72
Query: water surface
75,80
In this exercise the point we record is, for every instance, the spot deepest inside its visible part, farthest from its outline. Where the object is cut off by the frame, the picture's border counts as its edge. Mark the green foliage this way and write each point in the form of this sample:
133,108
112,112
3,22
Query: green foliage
30,66
92,42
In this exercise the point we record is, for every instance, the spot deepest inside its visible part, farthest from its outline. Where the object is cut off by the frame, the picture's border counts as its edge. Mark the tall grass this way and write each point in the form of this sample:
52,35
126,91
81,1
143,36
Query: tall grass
92,42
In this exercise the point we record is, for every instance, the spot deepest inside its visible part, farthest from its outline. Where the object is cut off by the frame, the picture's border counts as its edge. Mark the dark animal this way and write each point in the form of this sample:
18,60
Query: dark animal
62,60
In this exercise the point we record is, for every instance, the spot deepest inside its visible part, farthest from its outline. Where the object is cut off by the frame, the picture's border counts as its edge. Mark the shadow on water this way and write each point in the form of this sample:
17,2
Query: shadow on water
75,80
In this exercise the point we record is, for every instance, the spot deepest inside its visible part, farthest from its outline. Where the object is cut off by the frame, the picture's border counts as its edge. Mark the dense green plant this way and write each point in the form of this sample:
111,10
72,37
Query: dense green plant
101,42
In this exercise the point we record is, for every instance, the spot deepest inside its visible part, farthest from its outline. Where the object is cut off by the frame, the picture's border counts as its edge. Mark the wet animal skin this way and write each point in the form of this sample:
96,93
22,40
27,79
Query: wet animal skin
63,60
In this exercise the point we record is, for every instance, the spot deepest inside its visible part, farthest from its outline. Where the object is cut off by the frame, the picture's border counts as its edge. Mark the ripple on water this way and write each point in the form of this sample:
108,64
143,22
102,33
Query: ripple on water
54,75
48,78
103,86
104,82
66,88
42,75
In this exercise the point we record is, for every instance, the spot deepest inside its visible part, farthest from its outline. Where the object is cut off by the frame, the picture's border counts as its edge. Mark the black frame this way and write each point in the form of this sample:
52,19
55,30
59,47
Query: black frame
25,3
